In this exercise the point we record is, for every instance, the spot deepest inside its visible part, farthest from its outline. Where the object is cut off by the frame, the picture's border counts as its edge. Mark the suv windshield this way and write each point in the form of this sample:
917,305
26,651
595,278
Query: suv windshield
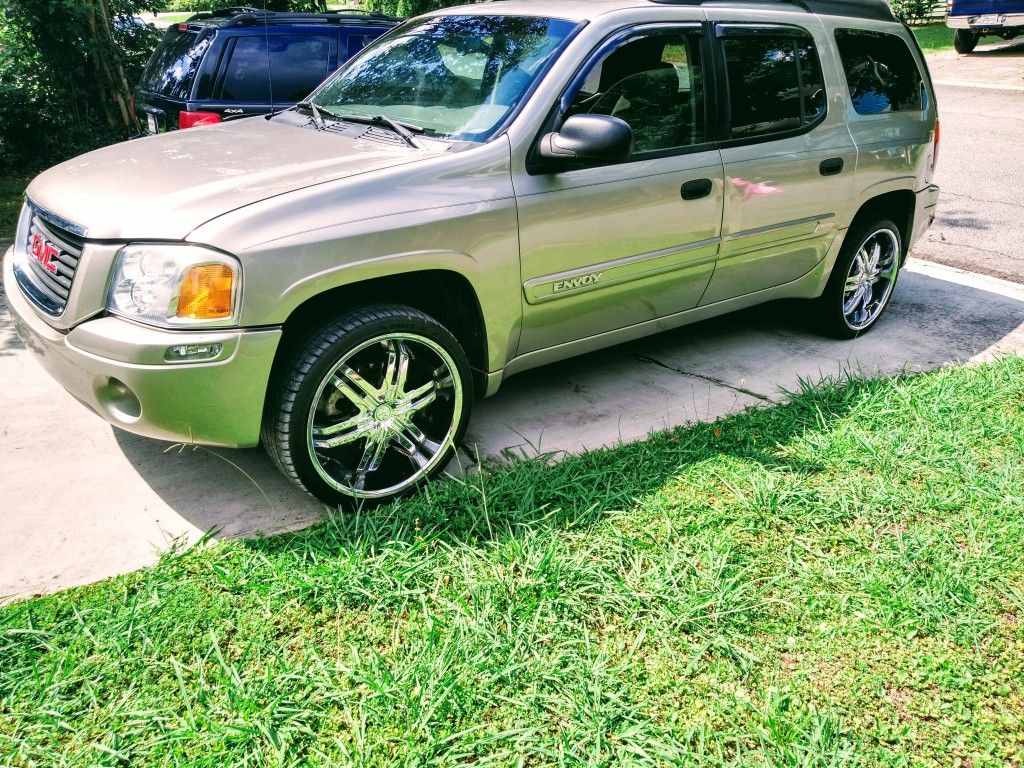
457,77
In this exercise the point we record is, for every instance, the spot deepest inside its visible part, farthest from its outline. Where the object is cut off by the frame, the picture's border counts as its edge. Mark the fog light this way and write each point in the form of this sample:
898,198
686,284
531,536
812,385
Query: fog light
183,352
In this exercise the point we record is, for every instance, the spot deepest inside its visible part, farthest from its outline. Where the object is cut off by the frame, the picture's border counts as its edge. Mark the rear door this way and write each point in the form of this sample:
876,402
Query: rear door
788,155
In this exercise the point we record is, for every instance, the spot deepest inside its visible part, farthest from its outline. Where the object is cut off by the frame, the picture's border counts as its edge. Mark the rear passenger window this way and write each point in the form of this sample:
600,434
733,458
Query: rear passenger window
247,77
880,71
775,82
298,65
286,68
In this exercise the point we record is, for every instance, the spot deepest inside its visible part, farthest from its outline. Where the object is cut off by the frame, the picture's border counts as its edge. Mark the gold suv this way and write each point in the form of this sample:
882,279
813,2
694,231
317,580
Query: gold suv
483,190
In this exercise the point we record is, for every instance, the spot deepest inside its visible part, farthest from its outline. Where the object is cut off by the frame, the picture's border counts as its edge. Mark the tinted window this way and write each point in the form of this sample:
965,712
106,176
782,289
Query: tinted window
172,67
248,76
775,83
656,84
356,43
880,72
298,65
295,66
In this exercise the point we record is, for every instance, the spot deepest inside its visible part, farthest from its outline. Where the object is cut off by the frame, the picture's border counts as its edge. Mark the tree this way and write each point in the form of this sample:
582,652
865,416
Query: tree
66,77
411,7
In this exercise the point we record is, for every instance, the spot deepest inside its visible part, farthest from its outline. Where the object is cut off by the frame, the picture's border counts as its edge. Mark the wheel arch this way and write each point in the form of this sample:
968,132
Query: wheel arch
897,205
445,295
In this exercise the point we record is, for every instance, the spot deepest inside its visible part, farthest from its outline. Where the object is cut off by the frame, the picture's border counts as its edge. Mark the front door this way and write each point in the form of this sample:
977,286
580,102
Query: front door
608,247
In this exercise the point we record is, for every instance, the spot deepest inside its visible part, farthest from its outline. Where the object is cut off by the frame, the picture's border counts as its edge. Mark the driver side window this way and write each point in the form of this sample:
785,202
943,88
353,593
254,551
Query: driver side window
655,82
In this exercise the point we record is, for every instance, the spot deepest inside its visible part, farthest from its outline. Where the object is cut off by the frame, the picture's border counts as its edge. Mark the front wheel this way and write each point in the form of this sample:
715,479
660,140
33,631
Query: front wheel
964,40
862,280
371,408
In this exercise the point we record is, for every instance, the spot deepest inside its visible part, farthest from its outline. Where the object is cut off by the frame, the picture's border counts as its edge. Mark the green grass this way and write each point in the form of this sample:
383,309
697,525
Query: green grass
836,581
171,18
12,194
939,37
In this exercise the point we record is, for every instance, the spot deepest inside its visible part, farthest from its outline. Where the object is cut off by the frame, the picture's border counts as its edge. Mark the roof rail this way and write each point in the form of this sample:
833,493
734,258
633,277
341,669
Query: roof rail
223,12
861,9
271,17
245,14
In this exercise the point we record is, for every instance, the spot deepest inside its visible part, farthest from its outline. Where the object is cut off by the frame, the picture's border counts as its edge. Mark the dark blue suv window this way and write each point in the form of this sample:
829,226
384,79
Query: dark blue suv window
173,66
276,68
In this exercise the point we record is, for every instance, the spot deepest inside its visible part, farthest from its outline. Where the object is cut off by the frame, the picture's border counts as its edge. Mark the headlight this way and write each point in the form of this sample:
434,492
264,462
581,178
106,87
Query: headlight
175,285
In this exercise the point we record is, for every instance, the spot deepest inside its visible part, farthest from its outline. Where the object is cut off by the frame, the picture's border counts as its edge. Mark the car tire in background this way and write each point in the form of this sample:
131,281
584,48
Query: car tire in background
370,407
964,40
862,281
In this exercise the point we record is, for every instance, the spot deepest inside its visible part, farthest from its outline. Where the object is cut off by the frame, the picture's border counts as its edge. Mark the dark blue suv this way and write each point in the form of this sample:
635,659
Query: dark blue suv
242,61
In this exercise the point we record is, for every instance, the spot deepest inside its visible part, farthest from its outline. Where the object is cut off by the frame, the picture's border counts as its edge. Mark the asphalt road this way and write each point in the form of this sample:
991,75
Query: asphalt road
980,223
81,501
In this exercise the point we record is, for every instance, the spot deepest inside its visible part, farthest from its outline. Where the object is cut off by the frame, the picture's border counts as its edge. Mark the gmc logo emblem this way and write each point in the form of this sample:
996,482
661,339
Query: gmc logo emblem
44,252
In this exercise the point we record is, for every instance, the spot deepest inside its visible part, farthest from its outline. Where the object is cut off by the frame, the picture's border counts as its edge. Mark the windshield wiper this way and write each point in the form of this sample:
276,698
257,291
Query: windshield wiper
317,116
406,130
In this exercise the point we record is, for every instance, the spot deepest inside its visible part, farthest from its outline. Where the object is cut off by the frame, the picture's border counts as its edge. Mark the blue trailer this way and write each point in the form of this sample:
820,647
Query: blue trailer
971,20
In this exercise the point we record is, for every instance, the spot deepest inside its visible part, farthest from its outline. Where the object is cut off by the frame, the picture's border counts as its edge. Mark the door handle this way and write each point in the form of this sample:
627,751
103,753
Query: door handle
831,167
696,189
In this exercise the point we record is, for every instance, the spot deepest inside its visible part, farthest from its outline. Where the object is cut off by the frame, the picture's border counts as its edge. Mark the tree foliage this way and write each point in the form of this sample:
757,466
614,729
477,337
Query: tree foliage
412,7
66,71
911,10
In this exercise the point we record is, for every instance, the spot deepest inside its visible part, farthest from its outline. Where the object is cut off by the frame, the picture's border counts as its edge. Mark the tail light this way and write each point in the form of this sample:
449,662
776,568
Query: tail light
935,145
192,119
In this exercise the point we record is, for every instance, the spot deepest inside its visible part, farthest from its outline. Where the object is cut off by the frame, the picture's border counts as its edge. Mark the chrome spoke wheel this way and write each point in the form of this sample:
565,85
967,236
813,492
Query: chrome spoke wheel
871,278
385,415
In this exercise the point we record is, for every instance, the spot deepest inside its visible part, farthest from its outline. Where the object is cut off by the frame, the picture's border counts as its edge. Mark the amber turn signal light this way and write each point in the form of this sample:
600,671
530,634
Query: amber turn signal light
206,292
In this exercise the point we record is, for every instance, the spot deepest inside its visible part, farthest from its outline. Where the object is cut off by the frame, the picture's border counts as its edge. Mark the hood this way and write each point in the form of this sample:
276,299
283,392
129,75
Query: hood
163,187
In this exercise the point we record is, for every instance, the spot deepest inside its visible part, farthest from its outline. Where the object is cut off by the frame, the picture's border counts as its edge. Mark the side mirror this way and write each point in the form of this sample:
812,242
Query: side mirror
587,140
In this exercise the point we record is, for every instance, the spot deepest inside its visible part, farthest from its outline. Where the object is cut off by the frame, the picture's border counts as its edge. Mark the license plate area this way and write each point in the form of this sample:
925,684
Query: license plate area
988,20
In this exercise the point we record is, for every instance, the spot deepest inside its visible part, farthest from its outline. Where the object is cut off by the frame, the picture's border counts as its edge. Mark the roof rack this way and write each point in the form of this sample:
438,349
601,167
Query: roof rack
861,9
241,15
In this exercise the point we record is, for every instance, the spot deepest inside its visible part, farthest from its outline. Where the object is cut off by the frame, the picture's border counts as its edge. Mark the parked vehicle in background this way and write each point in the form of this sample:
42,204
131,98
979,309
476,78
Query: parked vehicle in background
239,62
971,20
488,189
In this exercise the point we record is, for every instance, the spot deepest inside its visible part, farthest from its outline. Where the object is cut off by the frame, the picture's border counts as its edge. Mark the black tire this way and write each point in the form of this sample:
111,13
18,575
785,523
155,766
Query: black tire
831,316
322,395
964,40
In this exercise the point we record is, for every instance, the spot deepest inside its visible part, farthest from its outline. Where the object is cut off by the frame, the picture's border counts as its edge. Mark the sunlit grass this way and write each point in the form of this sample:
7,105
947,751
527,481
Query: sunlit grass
939,37
836,581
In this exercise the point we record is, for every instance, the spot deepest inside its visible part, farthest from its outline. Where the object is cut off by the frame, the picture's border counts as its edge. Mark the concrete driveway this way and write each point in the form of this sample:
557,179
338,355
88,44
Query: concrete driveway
81,501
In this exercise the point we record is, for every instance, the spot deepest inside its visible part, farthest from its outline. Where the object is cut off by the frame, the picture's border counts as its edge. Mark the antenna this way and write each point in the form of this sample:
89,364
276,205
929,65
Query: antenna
270,78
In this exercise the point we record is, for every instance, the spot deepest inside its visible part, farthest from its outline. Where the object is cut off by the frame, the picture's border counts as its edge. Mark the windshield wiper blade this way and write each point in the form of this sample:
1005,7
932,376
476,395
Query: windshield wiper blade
317,116
406,130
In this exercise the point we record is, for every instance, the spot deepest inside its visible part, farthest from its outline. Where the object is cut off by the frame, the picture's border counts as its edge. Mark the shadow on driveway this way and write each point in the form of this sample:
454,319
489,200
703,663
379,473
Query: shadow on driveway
699,372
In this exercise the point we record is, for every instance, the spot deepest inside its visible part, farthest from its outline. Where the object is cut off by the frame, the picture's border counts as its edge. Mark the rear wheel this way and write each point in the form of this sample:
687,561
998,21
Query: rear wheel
371,408
862,281
964,40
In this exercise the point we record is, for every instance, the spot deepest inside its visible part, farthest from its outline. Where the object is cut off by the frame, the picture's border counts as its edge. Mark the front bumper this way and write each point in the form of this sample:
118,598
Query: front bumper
117,369
986,22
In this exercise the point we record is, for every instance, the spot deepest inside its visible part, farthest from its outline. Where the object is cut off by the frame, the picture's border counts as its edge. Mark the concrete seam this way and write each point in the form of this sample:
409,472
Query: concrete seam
711,379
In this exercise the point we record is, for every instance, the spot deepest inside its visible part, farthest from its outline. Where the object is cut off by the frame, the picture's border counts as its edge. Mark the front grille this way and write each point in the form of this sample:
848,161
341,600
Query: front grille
50,290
